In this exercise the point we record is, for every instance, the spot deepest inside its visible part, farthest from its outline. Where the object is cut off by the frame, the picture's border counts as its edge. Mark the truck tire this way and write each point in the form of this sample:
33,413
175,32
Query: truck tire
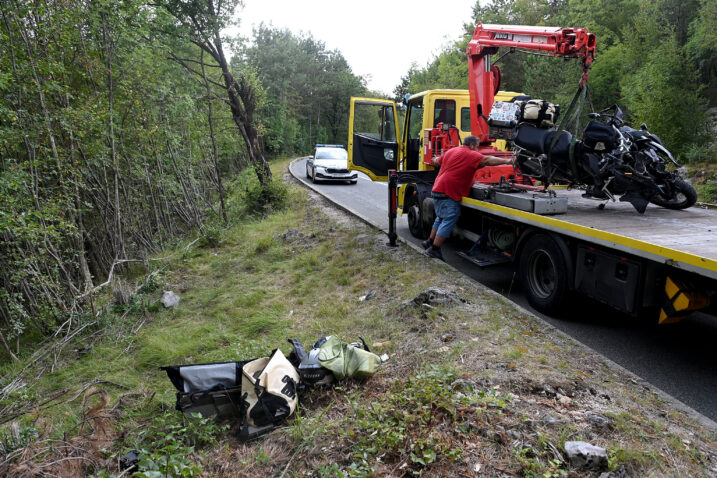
544,273
415,218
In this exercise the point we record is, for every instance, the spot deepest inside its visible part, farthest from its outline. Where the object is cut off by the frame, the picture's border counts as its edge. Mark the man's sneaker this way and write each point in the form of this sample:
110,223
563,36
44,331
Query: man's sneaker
433,252
427,243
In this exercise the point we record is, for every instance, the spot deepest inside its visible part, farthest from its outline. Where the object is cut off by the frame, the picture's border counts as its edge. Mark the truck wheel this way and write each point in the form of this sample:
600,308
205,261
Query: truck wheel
415,218
543,273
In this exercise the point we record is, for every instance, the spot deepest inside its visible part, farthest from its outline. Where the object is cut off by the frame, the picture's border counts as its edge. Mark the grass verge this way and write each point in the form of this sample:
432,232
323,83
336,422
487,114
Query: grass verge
472,388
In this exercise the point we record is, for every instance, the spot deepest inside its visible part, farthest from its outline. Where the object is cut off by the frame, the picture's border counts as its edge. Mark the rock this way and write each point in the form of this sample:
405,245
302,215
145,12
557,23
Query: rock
544,387
599,422
290,235
551,421
563,400
621,472
363,239
584,455
169,299
434,296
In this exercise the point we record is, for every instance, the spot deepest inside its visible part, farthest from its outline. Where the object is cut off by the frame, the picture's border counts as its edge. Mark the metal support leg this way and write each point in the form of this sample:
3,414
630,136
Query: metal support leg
392,208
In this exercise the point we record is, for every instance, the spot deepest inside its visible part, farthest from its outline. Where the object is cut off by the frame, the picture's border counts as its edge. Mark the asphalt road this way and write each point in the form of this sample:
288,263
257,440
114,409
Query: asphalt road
679,359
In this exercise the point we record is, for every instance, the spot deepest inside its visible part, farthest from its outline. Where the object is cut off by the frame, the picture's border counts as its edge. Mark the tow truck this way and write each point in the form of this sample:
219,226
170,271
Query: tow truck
660,265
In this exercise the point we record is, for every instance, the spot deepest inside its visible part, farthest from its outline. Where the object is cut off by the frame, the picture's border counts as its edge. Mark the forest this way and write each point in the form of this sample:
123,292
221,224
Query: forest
123,125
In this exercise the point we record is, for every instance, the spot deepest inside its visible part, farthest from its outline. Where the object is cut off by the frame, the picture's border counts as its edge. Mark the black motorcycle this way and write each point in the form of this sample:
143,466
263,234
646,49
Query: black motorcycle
611,160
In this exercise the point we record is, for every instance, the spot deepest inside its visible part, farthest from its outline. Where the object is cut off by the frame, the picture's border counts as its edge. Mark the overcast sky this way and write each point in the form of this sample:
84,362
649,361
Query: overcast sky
379,38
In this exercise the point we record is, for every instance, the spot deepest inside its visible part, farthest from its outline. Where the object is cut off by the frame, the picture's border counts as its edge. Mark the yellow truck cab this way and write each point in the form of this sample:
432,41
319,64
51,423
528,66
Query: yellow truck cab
373,147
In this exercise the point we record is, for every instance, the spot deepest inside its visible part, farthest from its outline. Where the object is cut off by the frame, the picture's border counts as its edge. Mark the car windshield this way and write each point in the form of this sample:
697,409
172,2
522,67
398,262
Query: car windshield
331,153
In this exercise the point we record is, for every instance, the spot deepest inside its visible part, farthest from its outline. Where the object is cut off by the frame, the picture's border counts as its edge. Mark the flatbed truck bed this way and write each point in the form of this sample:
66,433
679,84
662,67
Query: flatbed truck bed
660,264
684,239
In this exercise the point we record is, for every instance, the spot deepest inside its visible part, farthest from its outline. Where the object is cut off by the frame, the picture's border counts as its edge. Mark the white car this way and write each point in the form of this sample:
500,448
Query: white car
330,163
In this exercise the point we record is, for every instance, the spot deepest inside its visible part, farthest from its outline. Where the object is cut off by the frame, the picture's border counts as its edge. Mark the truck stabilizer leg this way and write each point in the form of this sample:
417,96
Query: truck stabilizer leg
392,208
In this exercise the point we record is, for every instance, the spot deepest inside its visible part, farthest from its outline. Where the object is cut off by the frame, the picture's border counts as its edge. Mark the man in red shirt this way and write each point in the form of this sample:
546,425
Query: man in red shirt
454,182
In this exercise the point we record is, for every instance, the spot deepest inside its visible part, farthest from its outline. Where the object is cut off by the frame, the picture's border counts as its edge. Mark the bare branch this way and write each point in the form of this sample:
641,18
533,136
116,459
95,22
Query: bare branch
109,277
176,58
181,61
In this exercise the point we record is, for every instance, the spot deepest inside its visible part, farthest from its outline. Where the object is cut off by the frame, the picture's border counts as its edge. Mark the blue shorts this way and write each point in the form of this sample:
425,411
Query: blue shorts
447,213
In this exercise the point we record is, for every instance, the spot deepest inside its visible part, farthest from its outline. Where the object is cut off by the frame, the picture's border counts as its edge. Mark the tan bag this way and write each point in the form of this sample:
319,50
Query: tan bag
540,113
268,394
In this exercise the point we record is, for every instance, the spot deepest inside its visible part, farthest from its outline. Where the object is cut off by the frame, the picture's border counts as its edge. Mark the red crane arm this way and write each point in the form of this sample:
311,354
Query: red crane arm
484,81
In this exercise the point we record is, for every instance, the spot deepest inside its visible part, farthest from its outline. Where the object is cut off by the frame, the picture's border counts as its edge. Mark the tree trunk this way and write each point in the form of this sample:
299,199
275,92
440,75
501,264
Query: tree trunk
215,151
118,239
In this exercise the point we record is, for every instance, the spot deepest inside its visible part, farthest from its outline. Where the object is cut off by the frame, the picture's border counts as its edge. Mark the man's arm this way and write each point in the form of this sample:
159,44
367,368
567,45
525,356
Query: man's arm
495,161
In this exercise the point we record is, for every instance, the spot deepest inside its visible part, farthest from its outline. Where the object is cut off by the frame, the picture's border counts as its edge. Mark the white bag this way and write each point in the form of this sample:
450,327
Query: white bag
541,113
268,394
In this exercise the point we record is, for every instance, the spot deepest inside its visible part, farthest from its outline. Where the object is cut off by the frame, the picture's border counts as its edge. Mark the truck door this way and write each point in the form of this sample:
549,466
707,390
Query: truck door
373,129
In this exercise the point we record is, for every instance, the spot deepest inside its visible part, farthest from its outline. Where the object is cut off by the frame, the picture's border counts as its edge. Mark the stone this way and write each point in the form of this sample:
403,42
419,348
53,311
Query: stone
599,422
563,400
549,420
620,472
169,299
584,455
434,296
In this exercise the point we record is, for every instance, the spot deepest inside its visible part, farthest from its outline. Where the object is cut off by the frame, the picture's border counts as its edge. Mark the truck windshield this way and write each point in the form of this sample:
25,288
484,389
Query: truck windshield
415,120
466,120
444,111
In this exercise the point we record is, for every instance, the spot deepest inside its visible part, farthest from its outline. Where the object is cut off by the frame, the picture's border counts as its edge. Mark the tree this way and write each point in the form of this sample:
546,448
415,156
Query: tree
702,46
201,22
307,87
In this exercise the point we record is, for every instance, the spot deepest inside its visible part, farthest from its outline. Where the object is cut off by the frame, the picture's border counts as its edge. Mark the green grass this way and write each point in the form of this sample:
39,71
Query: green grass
245,289
237,291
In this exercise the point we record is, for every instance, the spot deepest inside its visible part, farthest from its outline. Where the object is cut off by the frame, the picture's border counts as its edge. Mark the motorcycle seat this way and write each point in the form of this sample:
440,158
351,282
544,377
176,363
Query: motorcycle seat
531,138
561,149
538,141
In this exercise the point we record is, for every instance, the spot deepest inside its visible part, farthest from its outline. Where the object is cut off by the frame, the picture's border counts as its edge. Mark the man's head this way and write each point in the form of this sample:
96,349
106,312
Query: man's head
471,142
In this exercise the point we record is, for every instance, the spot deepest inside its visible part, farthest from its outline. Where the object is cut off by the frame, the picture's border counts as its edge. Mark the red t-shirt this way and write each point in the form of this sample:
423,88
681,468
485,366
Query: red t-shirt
458,167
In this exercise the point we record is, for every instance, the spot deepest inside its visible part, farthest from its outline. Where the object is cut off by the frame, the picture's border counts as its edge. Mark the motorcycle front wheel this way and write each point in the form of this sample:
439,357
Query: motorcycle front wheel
684,197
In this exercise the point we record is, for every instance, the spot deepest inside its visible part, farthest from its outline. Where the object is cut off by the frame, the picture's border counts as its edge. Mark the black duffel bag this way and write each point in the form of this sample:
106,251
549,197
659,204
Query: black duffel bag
599,137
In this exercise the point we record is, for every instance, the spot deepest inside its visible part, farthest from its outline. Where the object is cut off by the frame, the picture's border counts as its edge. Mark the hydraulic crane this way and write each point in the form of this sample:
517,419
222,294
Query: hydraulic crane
484,78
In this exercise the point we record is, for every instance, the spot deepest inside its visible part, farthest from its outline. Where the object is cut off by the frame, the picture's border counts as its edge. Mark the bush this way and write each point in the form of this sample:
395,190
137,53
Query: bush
260,201
211,237
700,153
707,192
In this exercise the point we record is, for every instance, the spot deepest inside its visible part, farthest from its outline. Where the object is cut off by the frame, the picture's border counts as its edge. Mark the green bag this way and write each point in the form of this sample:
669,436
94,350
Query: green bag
348,360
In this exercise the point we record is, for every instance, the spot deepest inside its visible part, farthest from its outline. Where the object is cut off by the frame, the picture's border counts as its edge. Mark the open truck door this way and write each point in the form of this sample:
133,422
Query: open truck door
373,132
